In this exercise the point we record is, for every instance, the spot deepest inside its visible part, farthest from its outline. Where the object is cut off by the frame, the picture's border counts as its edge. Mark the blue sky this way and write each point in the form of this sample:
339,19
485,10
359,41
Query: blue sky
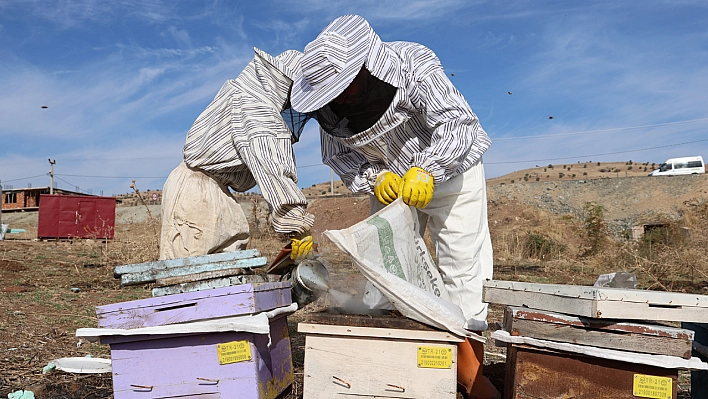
123,80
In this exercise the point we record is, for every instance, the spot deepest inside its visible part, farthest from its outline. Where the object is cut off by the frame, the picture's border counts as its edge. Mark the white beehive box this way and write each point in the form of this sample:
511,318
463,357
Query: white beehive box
599,302
354,361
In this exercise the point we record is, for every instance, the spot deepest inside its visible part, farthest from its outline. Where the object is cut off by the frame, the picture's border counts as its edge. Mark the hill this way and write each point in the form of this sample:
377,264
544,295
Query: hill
547,173
577,171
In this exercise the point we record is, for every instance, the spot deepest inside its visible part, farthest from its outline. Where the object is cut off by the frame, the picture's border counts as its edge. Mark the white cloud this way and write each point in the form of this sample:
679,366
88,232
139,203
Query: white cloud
180,36
391,10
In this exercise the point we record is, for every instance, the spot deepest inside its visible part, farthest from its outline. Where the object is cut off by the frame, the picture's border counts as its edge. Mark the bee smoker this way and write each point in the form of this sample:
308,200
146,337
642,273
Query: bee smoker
309,280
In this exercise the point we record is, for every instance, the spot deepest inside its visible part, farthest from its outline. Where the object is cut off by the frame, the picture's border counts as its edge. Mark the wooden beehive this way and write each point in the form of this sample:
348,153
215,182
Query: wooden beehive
204,366
601,333
364,356
542,373
599,302
184,361
190,306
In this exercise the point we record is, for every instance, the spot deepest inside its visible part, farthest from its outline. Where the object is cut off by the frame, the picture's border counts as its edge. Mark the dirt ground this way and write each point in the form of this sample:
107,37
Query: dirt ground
50,289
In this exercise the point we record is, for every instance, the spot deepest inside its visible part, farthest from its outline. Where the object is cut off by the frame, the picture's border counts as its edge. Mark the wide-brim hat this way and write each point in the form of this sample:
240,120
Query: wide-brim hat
332,61
288,62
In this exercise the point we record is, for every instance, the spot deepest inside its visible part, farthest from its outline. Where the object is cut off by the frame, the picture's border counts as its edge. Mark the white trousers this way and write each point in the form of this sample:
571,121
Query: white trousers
199,216
457,218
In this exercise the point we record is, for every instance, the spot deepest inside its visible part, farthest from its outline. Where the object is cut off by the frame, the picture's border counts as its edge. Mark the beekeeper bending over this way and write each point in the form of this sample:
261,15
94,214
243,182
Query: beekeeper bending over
393,125
243,138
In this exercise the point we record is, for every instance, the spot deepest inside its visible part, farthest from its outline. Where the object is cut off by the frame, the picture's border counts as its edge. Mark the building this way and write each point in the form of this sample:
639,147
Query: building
27,199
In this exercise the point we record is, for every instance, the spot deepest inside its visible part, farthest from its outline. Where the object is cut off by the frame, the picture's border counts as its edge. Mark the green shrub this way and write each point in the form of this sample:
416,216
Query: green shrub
595,227
659,238
538,246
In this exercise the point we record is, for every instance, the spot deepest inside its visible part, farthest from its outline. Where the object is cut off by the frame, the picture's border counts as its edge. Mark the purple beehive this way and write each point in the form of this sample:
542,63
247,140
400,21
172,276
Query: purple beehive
200,365
191,366
192,306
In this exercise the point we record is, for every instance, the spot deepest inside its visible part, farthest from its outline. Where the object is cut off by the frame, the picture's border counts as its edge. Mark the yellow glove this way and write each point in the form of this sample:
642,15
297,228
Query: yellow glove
386,187
416,187
302,247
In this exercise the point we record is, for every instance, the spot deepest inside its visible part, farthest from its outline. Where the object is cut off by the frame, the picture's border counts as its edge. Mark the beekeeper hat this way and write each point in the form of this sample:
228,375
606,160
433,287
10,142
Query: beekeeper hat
332,61
287,61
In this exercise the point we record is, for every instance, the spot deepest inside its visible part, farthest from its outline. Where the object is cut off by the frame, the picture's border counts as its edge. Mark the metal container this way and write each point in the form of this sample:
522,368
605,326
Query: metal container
74,216
309,280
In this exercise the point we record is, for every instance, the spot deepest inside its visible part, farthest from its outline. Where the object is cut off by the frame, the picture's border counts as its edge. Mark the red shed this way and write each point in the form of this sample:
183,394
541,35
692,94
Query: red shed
69,216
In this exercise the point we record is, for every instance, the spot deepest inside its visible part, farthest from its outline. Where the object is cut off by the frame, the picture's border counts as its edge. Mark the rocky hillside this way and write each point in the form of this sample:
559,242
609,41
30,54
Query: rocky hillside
627,201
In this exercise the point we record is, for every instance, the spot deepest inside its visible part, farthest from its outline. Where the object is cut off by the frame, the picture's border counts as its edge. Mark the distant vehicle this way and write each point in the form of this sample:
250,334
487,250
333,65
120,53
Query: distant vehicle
681,166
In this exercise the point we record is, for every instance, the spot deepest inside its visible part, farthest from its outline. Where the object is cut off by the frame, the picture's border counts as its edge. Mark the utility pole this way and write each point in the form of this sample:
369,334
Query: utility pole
2,233
51,175
331,181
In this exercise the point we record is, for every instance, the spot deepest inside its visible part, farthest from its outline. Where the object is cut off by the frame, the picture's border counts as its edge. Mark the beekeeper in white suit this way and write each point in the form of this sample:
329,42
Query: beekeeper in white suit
243,138
393,125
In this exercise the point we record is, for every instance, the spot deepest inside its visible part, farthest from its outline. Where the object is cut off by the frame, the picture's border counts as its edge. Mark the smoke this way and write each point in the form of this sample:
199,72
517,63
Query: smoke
349,303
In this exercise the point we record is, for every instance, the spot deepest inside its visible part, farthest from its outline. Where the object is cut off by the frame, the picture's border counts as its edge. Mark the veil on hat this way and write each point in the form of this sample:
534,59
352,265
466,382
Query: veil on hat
332,61
288,62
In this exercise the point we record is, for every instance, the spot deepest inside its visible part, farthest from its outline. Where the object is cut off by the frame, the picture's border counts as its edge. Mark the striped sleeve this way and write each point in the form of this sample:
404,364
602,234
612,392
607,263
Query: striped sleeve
272,163
352,167
457,134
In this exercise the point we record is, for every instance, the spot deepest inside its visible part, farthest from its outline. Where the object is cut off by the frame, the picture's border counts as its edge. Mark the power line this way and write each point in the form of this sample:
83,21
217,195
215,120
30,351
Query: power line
596,155
317,165
599,130
23,178
93,159
71,184
115,177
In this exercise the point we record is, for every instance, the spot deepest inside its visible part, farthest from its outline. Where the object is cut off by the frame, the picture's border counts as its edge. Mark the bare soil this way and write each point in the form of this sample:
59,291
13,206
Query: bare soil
50,289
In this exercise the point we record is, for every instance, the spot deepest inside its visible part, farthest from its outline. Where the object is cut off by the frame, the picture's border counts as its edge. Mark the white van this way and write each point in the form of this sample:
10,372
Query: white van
681,166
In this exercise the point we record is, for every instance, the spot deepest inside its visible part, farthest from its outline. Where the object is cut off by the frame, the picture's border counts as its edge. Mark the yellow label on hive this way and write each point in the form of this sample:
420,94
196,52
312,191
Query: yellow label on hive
649,386
234,352
434,357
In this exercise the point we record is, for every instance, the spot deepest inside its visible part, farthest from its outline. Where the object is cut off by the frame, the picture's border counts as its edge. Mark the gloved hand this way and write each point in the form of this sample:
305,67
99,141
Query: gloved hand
386,187
416,187
302,247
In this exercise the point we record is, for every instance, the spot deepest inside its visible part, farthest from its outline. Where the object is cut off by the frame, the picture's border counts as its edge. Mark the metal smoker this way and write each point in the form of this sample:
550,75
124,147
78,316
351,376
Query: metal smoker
309,278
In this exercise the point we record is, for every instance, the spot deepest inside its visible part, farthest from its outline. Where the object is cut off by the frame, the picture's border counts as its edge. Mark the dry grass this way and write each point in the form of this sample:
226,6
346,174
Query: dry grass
41,312
671,257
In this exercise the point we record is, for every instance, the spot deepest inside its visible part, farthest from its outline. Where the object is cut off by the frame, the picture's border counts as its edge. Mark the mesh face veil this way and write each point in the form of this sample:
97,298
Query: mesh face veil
353,115
295,121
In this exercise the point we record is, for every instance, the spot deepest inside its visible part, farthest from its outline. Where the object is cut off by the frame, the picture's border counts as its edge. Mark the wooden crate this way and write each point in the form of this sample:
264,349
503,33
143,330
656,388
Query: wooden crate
238,262
601,333
541,373
191,306
203,366
599,302
378,361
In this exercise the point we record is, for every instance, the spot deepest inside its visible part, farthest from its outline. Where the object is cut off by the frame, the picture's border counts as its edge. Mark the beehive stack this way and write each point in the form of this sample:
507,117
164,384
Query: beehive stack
209,330
593,342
